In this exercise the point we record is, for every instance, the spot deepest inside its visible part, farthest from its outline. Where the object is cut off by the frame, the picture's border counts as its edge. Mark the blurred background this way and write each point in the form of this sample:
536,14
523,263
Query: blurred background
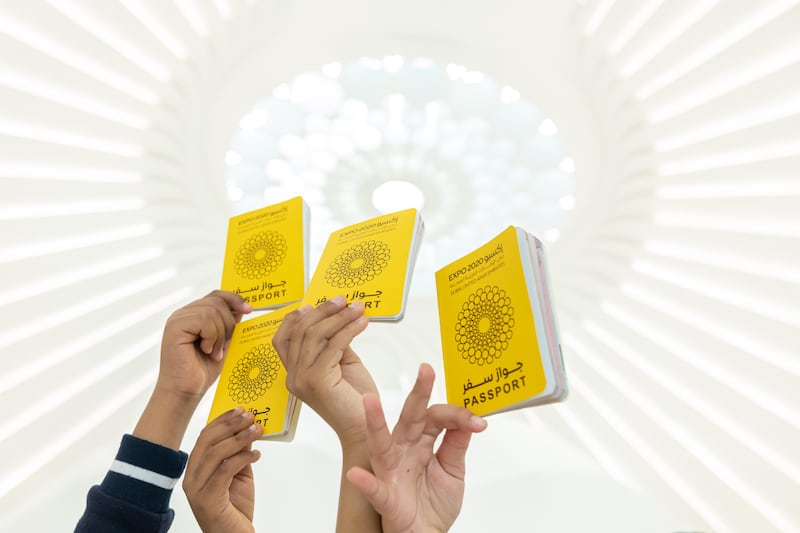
653,144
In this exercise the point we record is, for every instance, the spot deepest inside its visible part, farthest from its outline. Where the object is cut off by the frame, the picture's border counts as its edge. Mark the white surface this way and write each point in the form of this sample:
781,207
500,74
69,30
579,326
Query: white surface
675,274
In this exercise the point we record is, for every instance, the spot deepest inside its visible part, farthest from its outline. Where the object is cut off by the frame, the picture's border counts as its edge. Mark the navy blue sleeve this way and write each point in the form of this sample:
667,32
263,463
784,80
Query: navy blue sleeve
134,496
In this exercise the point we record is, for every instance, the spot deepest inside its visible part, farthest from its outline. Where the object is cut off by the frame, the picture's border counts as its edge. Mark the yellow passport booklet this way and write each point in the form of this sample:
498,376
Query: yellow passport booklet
500,340
266,254
254,377
370,261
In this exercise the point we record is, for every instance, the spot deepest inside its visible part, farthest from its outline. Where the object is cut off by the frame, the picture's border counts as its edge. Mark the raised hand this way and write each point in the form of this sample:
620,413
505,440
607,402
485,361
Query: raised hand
412,487
192,350
194,342
325,373
219,478
322,370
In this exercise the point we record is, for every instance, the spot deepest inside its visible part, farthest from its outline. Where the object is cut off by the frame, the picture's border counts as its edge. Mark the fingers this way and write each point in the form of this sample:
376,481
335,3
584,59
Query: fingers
448,416
414,416
460,424
282,338
328,331
227,439
376,493
224,310
379,440
208,322
310,341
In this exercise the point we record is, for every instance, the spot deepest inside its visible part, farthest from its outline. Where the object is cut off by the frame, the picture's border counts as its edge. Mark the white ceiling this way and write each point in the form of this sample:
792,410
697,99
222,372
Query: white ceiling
676,272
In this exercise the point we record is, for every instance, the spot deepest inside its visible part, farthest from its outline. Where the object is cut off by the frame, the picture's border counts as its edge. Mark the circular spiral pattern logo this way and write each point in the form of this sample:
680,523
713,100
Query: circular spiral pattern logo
260,255
485,325
358,264
253,374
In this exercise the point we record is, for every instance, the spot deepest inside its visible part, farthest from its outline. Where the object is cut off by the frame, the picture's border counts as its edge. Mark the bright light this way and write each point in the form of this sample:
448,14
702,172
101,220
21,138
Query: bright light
332,70
730,36
744,75
743,262
597,16
393,63
551,234
190,12
567,203
224,8
687,17
47,91
721,373
55,447
60,316
454,72
597,447
395,195
736,337
472,77
153,24
42,248
634,24
548,128
62,53
232,158
84,341
279,169
732,223
763,188
254,120
67,138
567,165
108,34
733,296
235,193
32,412
88,175
70,277
732,159
639,444
509,95
683,435
43,210
769,112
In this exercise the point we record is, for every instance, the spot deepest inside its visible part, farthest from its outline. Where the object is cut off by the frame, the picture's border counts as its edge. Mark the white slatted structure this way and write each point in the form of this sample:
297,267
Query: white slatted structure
677,272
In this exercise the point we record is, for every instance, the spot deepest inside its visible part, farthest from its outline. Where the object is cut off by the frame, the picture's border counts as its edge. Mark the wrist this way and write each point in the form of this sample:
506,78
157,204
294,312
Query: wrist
166,417
355,453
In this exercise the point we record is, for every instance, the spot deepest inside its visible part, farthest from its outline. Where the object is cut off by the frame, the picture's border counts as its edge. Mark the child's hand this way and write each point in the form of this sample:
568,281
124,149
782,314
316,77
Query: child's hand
194,343
322,370
219,479
413,488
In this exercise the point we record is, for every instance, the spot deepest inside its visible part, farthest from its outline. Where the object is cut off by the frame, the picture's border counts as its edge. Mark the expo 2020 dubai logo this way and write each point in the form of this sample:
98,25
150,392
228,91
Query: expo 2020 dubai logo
358,264
484,325
260,255
253,374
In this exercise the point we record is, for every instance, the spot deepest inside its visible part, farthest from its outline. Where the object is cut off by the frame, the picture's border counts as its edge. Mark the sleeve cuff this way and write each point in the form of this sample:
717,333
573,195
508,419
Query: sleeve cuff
144,473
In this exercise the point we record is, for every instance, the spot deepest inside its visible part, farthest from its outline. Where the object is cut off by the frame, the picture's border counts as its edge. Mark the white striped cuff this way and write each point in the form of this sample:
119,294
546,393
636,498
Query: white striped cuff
142,474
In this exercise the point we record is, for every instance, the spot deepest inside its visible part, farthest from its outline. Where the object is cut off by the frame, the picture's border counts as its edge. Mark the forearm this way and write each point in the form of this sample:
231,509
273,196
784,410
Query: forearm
355,512
165,418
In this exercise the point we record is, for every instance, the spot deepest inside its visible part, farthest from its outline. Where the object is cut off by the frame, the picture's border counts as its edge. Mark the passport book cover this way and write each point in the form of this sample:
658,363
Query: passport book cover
500,341
266,254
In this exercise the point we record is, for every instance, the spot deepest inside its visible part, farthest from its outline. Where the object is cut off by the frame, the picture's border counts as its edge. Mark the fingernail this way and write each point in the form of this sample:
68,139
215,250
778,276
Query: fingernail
256,428
339,300
305,309
239,409
477,421
357,305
